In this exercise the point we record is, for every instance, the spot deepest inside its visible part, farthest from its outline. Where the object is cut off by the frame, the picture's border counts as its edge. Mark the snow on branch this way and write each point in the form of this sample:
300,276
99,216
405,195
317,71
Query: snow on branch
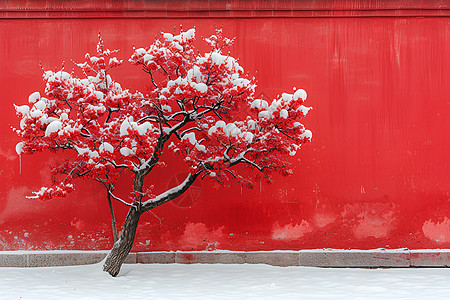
119,199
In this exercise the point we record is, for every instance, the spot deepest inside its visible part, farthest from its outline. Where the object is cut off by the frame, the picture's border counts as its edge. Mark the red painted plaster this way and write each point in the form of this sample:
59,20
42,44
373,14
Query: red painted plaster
376,174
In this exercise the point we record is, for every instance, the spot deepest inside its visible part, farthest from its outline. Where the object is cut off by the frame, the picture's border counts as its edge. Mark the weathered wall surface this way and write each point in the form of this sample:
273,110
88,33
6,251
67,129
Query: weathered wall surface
377,173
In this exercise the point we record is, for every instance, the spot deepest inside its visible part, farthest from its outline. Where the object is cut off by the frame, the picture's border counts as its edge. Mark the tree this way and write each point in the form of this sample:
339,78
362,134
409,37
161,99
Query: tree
189,109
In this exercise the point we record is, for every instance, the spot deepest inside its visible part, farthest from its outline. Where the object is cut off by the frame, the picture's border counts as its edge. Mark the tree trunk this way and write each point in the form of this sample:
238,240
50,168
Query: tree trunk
125,242
123,245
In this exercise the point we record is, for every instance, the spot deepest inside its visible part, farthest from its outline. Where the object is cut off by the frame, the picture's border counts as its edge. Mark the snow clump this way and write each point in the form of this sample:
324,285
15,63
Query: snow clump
300,94
54,126
34,97
106,147
19,148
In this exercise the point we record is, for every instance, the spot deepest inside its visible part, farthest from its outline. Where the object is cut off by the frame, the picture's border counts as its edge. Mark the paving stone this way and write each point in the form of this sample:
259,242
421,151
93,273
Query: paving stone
13,260
131,258
156,257
321,258
430,258
49,259
210,257
281,258
362,259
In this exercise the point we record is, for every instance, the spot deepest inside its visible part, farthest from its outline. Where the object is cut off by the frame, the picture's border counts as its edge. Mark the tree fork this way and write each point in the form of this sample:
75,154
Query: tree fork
122,247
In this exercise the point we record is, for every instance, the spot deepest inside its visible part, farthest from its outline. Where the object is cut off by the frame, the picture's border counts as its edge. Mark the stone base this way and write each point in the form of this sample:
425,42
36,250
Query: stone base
379,258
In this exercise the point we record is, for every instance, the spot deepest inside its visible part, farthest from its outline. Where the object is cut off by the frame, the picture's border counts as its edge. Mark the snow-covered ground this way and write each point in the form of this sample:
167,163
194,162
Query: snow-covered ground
197,281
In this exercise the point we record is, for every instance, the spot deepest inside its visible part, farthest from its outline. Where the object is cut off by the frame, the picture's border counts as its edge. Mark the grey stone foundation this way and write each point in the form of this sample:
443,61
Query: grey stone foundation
379,258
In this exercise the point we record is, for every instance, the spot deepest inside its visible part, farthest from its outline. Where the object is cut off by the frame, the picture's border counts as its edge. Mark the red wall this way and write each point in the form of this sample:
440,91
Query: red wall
377,173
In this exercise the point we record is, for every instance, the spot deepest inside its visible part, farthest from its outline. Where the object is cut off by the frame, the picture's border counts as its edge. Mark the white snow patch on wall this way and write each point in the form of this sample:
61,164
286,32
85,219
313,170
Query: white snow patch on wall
438,231
290,231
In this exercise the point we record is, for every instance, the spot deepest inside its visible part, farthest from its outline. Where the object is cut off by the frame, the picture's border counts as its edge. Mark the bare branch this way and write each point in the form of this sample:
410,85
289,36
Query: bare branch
153,80
232,174
67,102
116,165
171,193
242,159
110,111
180,104
276,126
189,129
88,133
118,199
172,116
152,118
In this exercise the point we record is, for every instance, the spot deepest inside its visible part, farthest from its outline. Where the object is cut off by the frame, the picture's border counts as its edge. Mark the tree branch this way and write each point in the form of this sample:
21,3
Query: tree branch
242,159
189,129
116,165
170,194
152,118
118,199
276,126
